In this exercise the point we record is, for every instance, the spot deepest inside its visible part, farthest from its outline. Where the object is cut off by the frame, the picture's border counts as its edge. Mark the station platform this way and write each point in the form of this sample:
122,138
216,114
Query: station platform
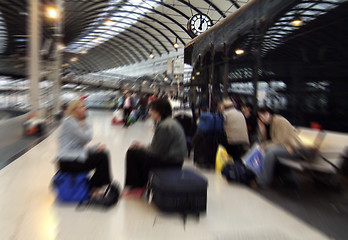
29,210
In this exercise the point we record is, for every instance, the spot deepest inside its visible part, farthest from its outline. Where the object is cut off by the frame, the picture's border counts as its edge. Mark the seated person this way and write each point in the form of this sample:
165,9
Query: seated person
73,155
279,139
167,149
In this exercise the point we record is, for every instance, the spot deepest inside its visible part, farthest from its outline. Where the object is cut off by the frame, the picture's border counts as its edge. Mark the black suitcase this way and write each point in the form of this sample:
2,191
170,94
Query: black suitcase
205,150
178,190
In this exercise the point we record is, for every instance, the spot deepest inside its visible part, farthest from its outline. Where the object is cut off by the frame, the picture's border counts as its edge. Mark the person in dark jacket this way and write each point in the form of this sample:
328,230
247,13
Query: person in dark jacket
167,148
251,121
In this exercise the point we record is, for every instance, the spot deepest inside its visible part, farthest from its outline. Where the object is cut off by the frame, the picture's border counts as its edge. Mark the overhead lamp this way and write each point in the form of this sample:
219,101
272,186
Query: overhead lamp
84,51
297,21
239,51
51,12
152,55
166,79
74,59
108,22
60,46
176,44
193,77
198,73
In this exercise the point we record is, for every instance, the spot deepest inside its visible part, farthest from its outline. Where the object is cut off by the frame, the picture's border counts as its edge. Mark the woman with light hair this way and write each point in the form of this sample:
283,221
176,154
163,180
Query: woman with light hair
73,155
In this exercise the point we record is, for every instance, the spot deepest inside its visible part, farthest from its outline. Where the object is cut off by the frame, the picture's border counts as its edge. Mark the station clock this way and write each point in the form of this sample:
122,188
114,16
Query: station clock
198,24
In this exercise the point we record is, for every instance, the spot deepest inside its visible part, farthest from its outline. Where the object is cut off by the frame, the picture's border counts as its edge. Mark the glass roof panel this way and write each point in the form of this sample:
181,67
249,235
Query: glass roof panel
116,25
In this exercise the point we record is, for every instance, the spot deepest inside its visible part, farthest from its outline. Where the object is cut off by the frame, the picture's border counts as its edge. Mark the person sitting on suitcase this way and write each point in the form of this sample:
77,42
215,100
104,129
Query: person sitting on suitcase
73,155
167,148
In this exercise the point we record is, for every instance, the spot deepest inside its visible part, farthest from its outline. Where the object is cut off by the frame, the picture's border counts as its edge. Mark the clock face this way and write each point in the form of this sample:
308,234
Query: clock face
199,23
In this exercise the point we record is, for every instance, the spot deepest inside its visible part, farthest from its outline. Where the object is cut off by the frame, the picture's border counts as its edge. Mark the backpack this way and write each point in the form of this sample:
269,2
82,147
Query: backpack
237,172
209,122
71,187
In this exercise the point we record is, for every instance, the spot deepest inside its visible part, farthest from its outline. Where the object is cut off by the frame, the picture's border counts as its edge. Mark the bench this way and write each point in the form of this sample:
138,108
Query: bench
329,158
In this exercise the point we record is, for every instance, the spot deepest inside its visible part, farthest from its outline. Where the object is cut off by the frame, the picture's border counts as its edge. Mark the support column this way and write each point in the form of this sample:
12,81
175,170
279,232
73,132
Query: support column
33,61
226,71
211,77
58,57
256,77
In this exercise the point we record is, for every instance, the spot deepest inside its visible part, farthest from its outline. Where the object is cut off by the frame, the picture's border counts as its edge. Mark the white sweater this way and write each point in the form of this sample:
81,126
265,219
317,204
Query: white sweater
235,127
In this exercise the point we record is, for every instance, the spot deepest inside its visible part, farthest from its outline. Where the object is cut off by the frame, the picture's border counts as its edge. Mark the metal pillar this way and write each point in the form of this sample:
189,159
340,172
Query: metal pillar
34,54
211,77
226,71
58,57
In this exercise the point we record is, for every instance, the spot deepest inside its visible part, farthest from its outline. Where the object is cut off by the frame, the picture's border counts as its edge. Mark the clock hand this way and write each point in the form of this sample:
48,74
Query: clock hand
201,25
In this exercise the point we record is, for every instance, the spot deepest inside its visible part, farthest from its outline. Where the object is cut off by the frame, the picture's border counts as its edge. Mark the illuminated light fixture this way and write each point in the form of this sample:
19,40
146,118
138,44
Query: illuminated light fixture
165,79
108,22
96,39
176,44
152,55
297,21
84,51
60,46
74,59
193,77
198,73
239,51
52,12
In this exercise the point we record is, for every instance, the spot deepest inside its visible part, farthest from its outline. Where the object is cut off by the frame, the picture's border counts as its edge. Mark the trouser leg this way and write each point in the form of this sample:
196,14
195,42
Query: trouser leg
272,154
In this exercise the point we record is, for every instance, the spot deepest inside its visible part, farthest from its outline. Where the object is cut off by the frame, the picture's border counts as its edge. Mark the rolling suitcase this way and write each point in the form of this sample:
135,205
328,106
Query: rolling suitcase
178,190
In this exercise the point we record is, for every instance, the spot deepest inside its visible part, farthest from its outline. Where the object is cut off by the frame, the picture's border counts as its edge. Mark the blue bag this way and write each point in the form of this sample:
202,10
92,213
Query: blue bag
254,160
71,187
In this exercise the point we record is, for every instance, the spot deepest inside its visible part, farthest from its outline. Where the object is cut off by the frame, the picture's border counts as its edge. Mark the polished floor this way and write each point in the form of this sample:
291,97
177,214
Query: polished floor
28,209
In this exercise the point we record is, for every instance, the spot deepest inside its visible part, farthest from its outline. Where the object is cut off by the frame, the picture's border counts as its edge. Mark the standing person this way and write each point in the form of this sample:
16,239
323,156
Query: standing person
73,155
142,104
127,108
153,98
251,120
167,148
237,140
279,139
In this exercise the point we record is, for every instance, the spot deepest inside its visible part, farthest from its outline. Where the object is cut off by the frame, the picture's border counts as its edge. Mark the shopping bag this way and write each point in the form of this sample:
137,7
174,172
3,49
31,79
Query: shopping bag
222,158
254,159
117,117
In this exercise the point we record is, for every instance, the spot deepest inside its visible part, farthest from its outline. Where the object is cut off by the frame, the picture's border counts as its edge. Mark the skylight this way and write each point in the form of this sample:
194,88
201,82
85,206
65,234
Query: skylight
119,18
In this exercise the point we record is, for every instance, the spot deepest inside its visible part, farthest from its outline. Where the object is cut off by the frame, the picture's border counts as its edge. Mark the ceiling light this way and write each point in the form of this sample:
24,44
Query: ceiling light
165,79
193,77
152,55
84,51
74,59
52,12
198,73
239,51
96,39
60,46
65,65
108,22
297,21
